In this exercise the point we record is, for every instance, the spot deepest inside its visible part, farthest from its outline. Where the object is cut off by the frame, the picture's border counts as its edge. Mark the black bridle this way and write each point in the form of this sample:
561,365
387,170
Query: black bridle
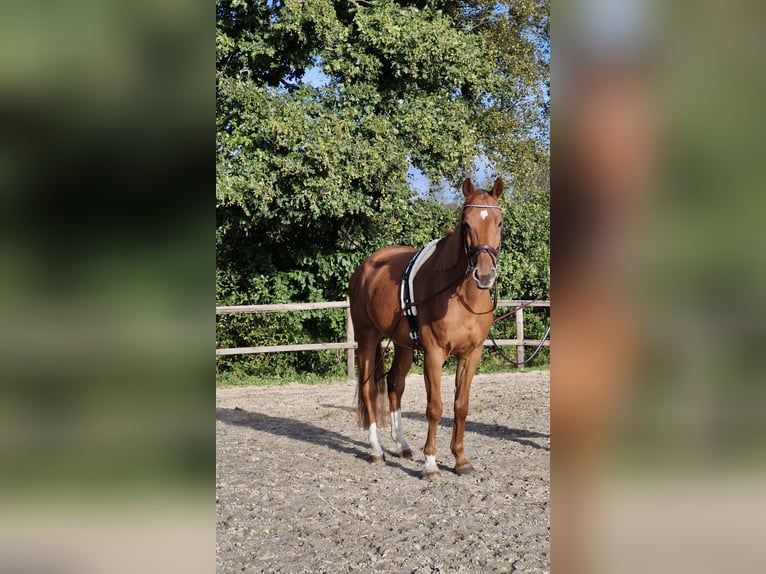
472,251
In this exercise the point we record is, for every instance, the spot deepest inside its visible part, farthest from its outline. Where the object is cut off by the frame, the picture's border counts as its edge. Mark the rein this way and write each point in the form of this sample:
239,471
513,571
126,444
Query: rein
500,351
512,311
528,359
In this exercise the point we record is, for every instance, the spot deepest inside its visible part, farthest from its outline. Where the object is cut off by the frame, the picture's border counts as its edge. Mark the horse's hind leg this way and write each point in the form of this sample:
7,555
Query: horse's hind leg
396,376
368,355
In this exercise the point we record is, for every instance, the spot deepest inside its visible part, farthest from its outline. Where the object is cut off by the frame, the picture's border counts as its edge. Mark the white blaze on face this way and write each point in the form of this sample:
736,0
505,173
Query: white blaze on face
484,214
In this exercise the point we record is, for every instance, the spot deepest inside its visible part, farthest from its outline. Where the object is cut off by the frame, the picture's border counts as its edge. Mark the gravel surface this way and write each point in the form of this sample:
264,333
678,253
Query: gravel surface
295,493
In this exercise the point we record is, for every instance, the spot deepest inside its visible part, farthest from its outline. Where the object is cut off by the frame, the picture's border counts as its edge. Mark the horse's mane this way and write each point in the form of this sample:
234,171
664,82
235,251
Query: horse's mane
448,251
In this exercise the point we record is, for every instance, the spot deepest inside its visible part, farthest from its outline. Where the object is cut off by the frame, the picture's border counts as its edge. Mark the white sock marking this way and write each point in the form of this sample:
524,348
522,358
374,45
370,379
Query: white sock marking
397,431
372,435
430,465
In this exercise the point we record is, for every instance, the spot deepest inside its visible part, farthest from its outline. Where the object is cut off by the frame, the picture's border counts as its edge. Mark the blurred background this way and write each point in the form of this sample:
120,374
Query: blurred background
657,276
106,288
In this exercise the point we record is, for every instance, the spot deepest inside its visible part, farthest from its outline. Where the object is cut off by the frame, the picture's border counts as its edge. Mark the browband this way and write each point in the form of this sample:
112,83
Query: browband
481,205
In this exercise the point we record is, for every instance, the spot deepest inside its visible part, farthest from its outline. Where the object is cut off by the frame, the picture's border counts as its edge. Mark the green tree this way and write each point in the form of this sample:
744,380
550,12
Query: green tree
312,176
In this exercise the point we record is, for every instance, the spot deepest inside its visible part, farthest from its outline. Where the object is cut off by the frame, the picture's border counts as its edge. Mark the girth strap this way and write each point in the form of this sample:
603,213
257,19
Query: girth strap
407,290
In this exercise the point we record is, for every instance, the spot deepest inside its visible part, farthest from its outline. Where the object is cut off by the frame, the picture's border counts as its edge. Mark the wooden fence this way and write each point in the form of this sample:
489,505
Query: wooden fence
350,344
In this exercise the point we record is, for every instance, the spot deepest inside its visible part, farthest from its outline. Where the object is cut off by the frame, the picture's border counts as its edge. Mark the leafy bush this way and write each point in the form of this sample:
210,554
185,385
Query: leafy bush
312,176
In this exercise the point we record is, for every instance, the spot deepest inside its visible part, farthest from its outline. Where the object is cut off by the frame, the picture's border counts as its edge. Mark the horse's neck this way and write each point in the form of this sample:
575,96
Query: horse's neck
450,255
448,269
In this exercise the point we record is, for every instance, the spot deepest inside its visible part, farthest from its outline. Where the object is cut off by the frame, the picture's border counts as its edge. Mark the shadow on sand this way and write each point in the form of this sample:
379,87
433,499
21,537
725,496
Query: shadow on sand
317,435
520,436
306,432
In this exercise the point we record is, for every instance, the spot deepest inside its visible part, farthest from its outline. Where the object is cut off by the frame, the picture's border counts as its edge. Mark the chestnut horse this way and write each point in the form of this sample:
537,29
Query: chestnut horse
454,313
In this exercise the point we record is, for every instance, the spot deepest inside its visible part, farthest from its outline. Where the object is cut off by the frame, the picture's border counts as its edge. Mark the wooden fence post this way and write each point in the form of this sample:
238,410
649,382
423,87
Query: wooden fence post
520,337
350,340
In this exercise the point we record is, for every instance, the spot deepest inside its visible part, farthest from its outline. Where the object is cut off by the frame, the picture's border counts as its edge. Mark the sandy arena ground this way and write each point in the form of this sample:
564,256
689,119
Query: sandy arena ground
295,493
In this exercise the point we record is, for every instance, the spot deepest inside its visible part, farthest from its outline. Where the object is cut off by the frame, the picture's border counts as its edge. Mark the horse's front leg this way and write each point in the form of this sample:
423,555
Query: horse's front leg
466,367
432,367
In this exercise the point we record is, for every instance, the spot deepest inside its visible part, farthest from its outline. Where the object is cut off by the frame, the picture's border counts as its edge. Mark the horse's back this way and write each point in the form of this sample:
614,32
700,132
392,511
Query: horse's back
382,270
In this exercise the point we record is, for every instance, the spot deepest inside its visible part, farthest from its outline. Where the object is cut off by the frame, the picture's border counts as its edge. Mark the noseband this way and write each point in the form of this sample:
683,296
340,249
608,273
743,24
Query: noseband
472,252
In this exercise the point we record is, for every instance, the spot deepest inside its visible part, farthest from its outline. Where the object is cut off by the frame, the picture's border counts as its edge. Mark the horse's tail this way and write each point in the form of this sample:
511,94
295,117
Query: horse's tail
380,397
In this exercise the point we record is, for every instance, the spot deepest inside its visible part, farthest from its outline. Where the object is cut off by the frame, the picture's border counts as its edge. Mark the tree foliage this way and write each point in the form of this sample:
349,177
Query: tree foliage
322,106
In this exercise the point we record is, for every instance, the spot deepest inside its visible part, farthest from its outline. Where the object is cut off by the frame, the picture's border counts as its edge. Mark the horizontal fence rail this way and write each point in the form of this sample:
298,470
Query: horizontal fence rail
350,345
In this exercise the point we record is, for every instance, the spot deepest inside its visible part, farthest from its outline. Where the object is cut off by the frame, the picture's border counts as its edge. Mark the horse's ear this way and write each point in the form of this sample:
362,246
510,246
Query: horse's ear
497,189
468,188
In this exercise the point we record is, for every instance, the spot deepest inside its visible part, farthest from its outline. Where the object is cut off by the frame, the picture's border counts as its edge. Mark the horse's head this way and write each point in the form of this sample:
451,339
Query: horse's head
482,227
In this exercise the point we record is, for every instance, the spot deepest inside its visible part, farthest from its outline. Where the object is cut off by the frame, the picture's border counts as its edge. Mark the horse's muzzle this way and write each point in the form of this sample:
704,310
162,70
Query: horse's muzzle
485,281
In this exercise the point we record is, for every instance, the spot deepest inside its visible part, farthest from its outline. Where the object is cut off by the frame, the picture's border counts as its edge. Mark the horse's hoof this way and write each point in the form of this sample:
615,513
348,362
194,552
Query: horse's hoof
465,469
406,454
431,475
377,458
